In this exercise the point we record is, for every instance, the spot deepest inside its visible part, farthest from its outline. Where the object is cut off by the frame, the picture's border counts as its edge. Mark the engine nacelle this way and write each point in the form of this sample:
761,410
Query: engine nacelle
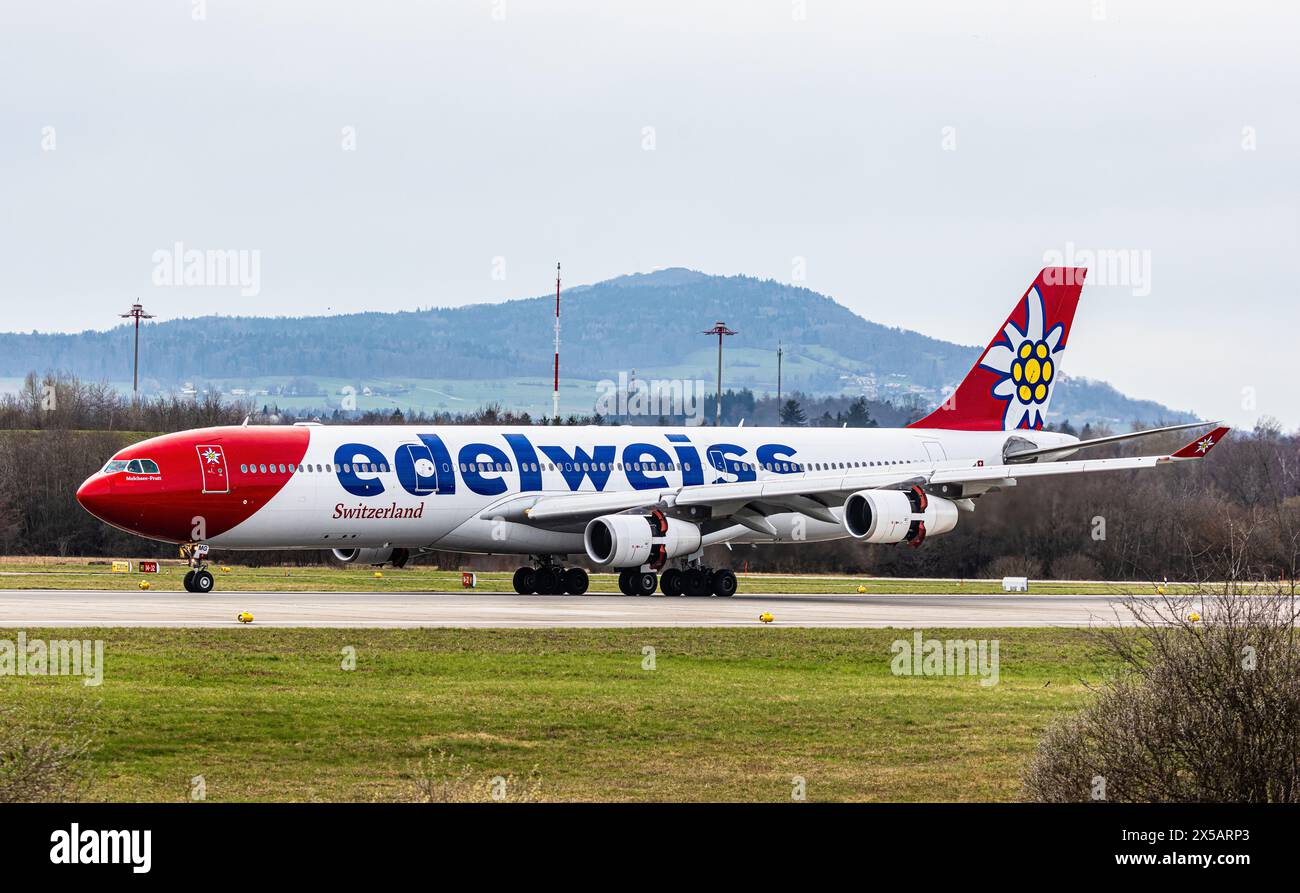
634,540
898,516
397,557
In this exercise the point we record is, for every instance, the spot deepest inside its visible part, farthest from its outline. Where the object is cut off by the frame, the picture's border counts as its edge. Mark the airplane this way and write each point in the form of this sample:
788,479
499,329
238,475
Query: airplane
644,501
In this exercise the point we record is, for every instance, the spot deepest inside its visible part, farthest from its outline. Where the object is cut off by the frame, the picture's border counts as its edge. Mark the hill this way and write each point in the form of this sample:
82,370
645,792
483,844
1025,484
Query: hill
457,358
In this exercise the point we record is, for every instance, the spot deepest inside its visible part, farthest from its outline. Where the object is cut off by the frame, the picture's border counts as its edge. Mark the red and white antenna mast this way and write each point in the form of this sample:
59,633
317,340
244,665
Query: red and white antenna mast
555,394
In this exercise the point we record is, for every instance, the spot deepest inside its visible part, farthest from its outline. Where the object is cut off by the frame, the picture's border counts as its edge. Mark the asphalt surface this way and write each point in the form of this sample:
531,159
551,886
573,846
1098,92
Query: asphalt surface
33,608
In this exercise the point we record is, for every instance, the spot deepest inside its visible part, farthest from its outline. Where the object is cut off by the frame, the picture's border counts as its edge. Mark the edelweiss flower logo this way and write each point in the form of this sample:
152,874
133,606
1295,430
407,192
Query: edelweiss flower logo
211,456
1204,445
1027,364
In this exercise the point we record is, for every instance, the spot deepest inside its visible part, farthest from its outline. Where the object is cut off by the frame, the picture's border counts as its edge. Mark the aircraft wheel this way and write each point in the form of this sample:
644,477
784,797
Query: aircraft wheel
695,582
547,582
670,582
575,581
525,580
644,584
202,582
625,581
189,581
723,582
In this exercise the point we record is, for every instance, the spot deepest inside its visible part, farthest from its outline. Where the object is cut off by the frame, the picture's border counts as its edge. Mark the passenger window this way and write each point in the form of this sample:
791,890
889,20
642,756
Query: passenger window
244,468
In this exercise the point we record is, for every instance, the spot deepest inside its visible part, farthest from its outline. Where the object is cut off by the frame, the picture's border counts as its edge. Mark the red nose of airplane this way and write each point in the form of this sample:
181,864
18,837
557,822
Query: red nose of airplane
93,495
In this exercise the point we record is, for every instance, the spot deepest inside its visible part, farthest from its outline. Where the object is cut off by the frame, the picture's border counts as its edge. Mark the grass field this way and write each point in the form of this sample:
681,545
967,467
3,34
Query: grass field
79,574
265,714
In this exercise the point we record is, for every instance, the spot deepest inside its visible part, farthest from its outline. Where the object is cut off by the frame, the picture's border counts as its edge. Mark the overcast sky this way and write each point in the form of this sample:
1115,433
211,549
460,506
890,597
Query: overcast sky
915,161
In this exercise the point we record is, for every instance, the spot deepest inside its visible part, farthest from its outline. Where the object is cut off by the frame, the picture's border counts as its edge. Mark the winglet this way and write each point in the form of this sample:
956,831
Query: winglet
1200,448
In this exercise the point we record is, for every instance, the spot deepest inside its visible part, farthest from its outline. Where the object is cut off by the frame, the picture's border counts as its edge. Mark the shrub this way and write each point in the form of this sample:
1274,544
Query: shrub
1076,566
1014,566
441,780
1205,708
36,766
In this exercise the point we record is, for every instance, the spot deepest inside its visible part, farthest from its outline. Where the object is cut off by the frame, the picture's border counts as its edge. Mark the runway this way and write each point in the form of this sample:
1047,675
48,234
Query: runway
50,608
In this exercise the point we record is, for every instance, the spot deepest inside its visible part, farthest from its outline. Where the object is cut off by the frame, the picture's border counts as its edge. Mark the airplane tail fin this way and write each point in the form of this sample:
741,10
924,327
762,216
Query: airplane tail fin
1011,385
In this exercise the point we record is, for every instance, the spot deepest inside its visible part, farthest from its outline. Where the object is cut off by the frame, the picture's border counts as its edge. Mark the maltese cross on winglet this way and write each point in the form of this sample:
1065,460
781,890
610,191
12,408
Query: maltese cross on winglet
1201,447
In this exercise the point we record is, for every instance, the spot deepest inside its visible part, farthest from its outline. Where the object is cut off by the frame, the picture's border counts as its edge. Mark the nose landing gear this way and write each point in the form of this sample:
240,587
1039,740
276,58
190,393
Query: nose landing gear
198,580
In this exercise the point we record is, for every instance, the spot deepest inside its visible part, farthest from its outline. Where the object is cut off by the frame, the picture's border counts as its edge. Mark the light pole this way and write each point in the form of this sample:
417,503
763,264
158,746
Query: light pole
720,329
778,382
555,393
137,313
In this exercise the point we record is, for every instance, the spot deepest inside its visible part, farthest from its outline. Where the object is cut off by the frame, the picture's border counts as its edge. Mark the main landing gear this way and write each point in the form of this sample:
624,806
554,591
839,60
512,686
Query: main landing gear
689,581
549,578
198,579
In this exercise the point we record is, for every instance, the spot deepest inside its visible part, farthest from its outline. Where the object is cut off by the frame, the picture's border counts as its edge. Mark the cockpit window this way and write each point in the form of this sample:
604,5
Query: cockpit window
132,466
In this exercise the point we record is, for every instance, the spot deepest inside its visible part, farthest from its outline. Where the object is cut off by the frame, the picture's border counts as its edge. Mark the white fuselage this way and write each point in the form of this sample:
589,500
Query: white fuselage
450,487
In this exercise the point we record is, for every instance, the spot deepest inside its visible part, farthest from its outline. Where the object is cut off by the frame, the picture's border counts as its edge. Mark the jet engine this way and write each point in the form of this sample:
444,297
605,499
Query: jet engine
634,540
898,516
377,557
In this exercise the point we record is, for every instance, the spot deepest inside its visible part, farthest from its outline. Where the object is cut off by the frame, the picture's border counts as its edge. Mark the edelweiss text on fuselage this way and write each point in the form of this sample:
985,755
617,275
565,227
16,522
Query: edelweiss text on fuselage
427,468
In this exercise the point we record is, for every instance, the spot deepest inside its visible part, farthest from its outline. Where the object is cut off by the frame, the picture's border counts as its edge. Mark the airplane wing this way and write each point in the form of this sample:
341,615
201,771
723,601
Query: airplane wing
812,494
1046,453
1197,449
